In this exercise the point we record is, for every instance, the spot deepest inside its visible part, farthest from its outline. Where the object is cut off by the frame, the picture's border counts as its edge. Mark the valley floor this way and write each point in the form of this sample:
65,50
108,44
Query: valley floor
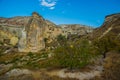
55,74
13,67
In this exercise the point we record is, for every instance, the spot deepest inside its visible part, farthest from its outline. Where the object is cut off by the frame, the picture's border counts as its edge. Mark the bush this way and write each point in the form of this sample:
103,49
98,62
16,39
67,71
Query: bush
107,43
112,66
74,55
61,39
30,54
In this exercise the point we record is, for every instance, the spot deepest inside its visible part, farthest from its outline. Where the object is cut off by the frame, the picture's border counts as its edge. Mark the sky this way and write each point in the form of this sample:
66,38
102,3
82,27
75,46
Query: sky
86,12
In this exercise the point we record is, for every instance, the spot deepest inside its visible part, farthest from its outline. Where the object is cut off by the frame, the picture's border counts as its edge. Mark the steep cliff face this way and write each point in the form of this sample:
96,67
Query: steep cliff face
32,39
33,31
110,25
30,31
51,31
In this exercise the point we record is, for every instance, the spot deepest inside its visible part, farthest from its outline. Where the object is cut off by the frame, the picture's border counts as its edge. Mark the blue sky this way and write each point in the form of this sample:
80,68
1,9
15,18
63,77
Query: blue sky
88,12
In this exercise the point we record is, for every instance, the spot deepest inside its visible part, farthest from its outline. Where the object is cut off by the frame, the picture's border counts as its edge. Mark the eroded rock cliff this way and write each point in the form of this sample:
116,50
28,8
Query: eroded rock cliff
32,32
111,25
75,29
32,39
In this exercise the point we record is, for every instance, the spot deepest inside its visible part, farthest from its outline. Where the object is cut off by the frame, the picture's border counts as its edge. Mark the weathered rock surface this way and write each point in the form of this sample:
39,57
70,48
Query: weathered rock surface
76,29
51,31
4,68
17,74
32,37
8,38
30,33
110,25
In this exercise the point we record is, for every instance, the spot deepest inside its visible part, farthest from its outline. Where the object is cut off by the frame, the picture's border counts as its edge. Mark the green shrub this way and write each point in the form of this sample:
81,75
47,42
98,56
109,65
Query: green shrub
74,55
30,54
61,39
107,43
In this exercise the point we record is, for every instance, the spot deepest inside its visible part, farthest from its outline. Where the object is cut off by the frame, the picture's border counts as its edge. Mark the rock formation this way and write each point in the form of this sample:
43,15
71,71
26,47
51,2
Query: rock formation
32,39
51,31
29,33
110,25
8,38
75,29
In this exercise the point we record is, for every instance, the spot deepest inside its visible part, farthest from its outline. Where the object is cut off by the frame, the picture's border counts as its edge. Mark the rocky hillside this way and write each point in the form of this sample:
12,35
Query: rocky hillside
79,59
31,32
110,25
76,29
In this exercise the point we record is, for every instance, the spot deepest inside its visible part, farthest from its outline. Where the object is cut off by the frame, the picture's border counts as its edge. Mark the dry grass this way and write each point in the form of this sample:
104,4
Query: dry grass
9,57
112,66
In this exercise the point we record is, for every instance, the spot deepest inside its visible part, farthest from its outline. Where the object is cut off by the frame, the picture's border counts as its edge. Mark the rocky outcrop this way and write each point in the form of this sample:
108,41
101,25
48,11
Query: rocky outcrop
17,74
51,31
110,25
32,39
30,33
8,38
75,29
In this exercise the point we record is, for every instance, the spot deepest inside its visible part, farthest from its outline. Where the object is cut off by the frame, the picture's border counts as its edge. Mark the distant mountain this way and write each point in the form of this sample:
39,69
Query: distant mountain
77,29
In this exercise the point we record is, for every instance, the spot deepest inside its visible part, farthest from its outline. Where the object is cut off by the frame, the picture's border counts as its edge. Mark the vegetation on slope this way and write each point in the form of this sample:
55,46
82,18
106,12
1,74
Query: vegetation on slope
110,42
74,55
70,55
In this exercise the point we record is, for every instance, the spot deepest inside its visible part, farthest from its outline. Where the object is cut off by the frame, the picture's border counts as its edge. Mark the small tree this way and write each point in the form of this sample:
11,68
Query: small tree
61,39
74,55
107,43
45,39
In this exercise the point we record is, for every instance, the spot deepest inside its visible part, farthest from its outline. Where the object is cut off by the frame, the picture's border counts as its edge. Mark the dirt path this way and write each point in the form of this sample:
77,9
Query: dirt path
62,73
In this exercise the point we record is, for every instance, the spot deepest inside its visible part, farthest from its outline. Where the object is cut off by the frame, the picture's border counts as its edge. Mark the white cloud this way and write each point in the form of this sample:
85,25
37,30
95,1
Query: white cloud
48,3
52,8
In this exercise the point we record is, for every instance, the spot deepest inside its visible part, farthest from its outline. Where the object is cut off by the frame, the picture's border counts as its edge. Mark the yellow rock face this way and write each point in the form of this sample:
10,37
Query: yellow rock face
32,39
13,40
6,35
30,34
